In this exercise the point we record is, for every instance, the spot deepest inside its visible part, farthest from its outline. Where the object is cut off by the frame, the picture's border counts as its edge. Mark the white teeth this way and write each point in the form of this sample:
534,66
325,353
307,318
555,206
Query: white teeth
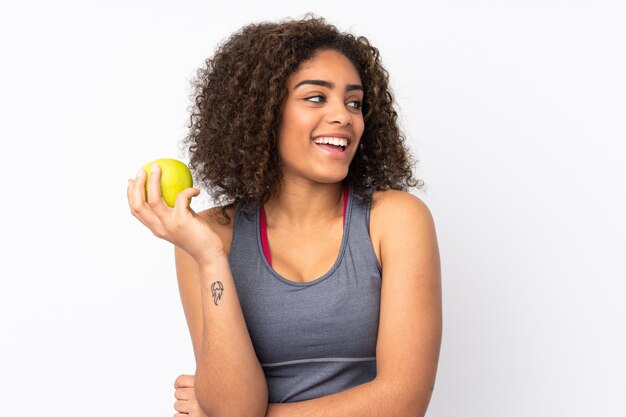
332,141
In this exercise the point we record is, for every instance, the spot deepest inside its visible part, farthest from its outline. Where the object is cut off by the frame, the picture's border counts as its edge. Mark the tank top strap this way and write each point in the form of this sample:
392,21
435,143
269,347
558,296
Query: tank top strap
359,238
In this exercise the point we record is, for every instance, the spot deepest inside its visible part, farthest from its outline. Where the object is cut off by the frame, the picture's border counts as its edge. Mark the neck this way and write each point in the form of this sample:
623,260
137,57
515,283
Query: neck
305,206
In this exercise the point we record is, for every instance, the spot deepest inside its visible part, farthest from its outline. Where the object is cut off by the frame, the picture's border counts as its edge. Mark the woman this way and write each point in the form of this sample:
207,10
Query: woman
322,296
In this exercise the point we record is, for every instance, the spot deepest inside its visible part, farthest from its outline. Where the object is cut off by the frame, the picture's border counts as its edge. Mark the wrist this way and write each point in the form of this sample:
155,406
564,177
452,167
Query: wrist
208,261
214,262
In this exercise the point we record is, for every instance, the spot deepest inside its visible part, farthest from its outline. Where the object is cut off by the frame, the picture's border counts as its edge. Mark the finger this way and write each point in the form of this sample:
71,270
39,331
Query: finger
184,393
155,200
135,198
183,200
183,406
184,381
137,203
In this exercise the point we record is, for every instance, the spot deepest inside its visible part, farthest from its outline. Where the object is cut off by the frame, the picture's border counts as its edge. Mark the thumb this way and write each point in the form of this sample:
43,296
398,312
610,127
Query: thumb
183,199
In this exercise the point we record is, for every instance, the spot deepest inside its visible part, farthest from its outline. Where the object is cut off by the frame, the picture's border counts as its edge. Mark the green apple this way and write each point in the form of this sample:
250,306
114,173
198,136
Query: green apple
175,177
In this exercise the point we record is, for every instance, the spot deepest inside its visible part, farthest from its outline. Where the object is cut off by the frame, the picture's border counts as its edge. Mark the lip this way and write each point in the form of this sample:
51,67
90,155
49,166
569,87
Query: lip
332,153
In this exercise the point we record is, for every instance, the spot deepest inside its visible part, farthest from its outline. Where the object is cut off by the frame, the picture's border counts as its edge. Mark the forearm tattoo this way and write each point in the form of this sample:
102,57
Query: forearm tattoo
217,289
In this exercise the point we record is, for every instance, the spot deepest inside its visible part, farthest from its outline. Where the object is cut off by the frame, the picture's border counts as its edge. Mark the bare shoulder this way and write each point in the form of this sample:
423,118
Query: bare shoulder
387,205
393,215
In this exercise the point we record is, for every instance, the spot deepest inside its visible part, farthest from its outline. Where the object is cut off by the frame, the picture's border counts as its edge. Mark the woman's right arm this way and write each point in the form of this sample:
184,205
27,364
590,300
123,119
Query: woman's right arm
229,379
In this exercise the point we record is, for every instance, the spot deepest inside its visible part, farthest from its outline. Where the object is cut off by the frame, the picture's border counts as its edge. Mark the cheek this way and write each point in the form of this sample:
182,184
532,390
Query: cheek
297,123
293,129
359,126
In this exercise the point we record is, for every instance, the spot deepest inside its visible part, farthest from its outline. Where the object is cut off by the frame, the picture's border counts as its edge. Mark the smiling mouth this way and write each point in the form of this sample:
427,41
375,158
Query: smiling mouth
332,143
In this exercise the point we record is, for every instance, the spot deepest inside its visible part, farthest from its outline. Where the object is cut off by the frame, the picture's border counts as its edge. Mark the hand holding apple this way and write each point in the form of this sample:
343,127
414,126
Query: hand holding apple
177,223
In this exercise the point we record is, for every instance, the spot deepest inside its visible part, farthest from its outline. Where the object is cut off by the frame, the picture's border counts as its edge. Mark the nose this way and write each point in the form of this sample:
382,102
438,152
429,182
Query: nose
338,113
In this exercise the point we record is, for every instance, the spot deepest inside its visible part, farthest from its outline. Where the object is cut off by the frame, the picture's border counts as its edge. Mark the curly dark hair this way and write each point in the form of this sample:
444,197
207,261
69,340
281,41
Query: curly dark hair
238,101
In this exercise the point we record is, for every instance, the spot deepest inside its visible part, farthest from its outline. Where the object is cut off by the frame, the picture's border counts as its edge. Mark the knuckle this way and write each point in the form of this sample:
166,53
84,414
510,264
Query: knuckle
178,224
158,233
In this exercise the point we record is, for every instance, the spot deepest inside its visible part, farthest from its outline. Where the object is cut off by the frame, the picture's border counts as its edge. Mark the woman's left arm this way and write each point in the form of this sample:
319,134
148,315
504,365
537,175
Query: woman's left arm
410,325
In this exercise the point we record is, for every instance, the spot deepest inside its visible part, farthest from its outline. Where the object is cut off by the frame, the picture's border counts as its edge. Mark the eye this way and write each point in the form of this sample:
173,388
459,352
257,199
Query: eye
315,97
357,104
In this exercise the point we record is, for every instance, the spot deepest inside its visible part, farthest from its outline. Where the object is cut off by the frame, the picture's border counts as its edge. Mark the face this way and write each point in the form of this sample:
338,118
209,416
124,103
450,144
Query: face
324,101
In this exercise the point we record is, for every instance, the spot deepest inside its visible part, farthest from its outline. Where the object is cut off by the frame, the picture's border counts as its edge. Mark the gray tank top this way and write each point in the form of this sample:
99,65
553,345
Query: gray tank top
314,338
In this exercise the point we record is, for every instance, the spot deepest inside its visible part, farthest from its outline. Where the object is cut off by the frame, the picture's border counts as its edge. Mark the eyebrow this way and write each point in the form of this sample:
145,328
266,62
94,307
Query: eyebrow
328,84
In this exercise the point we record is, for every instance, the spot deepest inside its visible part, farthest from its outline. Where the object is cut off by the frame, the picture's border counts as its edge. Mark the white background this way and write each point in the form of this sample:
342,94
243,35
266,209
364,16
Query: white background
515,110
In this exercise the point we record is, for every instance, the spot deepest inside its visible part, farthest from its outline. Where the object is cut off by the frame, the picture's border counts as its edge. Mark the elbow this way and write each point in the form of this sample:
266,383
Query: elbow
407,399
415,406
419,404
